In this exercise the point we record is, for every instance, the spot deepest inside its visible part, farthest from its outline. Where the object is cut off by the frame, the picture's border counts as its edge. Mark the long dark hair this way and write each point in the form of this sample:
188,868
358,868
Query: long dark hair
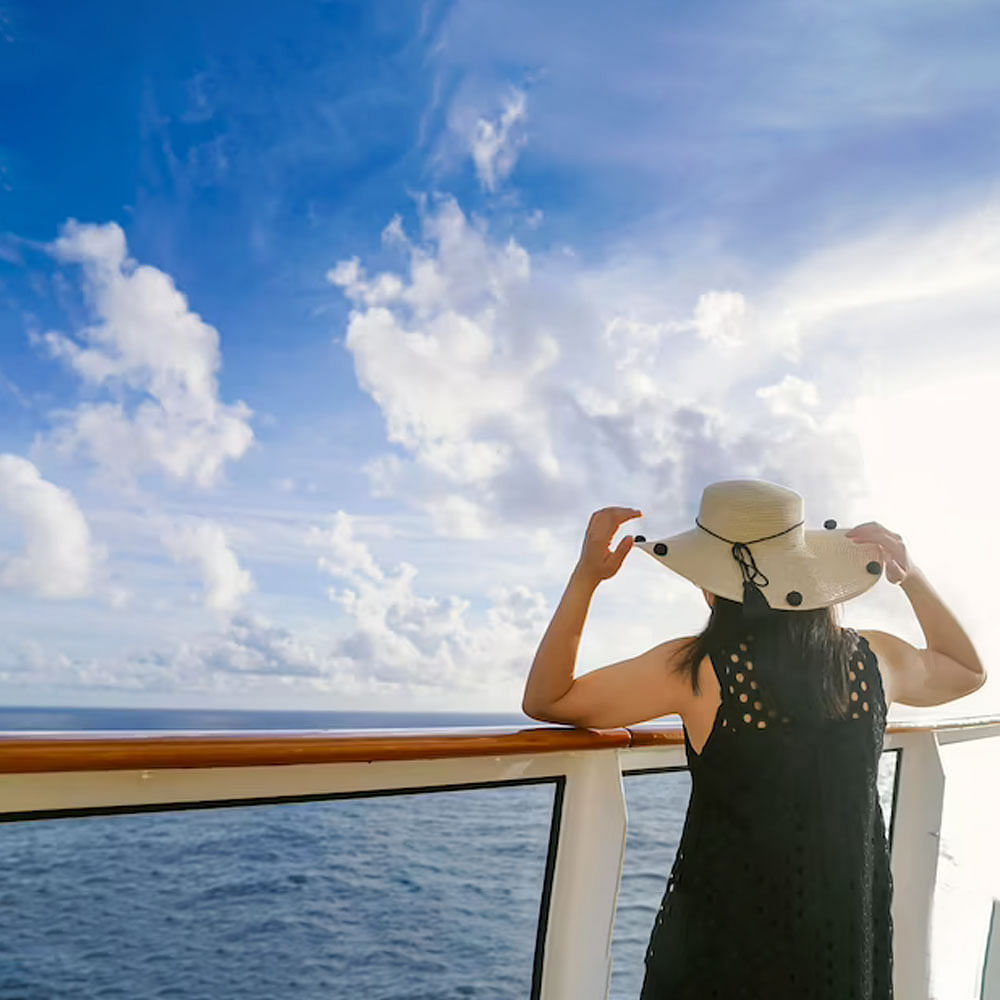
803,654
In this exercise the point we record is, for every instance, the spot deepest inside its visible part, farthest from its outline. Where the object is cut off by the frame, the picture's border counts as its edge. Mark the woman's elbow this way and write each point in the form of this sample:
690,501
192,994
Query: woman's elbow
540,713
533,711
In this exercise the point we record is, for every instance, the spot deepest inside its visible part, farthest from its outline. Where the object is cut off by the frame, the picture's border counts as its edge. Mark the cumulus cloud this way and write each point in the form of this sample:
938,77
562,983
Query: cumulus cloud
149,345
250,646
204,545
29,663
520,392
59,556
496,142
400,637
345,555
791,397
433,362
248,652
395,640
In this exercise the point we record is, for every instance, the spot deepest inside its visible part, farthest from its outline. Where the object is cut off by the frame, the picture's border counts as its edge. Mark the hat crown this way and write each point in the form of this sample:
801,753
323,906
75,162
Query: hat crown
742,510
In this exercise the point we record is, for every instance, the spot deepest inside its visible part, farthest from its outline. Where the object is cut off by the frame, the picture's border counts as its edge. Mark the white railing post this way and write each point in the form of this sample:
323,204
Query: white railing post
990,986
916,844
588,867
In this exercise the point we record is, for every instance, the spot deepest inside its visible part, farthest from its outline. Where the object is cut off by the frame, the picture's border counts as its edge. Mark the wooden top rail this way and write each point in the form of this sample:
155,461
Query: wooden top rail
22,753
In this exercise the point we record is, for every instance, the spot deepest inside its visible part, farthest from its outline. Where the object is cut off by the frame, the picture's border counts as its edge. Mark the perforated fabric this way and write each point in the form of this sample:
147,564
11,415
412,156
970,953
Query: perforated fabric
781,885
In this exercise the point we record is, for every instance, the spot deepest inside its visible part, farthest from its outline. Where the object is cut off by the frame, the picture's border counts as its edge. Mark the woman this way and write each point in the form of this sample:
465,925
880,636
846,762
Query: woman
781,884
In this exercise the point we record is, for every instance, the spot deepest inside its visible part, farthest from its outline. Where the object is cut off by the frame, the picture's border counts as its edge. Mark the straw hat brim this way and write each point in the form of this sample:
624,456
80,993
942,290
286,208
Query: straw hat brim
824,566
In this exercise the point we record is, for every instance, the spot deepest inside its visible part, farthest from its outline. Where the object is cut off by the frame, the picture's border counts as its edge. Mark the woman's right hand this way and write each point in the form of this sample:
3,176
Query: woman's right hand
597,562
897,562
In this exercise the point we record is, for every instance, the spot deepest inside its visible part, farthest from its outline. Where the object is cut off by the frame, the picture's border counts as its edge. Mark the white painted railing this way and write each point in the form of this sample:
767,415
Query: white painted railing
48,776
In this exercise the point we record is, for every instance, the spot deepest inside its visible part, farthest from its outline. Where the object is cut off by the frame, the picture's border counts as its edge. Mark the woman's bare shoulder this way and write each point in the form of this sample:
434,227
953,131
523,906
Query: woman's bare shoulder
919,677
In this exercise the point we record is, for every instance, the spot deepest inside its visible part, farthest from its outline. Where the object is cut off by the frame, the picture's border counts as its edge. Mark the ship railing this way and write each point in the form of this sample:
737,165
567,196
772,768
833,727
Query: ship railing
54,775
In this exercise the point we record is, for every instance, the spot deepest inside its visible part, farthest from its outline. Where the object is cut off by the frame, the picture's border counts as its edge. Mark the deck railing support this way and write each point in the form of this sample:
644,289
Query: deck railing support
591,853
990,986
916,843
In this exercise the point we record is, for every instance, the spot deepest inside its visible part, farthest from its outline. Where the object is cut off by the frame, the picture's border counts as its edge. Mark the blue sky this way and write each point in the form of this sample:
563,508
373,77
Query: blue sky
324,327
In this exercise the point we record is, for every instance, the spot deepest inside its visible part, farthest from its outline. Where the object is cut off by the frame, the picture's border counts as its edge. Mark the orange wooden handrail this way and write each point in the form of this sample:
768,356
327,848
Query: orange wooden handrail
22,753
78,751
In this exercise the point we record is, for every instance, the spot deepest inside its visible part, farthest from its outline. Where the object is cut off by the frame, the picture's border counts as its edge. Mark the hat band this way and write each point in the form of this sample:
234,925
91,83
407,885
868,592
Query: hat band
753,600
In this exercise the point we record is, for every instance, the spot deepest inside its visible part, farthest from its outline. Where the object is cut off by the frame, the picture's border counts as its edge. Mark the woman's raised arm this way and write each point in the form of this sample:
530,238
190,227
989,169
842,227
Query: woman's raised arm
551,674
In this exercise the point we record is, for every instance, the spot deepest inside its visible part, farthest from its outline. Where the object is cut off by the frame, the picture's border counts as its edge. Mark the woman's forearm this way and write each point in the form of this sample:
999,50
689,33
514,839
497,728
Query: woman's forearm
941,628
551,674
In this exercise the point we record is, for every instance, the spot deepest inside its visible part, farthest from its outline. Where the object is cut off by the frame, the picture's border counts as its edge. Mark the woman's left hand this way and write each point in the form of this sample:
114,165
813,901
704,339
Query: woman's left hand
597,562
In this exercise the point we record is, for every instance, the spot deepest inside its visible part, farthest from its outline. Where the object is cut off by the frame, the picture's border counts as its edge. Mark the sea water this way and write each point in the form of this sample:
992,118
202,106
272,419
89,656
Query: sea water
432,896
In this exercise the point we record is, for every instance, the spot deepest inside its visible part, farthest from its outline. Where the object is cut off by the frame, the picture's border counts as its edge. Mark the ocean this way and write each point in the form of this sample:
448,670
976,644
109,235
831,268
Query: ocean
432,896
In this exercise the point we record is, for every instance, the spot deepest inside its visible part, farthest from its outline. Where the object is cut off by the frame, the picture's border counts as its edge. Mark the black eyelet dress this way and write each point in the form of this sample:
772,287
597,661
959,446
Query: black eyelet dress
781,885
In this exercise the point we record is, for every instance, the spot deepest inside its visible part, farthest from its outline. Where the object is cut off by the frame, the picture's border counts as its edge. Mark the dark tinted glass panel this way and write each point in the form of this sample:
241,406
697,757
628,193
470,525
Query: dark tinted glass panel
887,784
656,806
427,895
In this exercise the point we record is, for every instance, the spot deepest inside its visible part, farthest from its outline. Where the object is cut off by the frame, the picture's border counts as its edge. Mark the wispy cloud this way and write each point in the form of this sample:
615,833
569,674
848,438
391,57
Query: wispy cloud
11,387
497,142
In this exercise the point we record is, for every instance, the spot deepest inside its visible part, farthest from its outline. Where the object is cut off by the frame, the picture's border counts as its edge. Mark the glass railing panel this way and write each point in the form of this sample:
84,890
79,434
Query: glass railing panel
888,769
656,804
968,869
431,895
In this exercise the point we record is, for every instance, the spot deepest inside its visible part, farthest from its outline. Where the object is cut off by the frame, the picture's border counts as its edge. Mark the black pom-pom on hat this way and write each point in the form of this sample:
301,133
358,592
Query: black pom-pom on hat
793,597
874,568
830,523
660,549
639,538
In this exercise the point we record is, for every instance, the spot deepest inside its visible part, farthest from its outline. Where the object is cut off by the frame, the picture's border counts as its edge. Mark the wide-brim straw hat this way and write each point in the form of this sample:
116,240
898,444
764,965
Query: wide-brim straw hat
750,540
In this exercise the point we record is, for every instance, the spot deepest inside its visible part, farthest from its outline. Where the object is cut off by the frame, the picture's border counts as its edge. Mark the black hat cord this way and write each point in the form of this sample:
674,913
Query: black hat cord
754,602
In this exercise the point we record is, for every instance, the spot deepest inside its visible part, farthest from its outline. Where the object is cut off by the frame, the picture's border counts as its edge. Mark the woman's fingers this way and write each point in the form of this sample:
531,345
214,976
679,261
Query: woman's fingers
620,552
603,524
890,544
612,517
606,521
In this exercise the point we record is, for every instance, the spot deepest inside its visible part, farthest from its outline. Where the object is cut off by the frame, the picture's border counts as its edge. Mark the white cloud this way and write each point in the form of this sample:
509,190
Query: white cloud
345,554
59,557
496,143
519,392
522,392
394,641
204,545
250,646
33,661
248,653
410,641
456,516
526,397
791,397
146,341
721,317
